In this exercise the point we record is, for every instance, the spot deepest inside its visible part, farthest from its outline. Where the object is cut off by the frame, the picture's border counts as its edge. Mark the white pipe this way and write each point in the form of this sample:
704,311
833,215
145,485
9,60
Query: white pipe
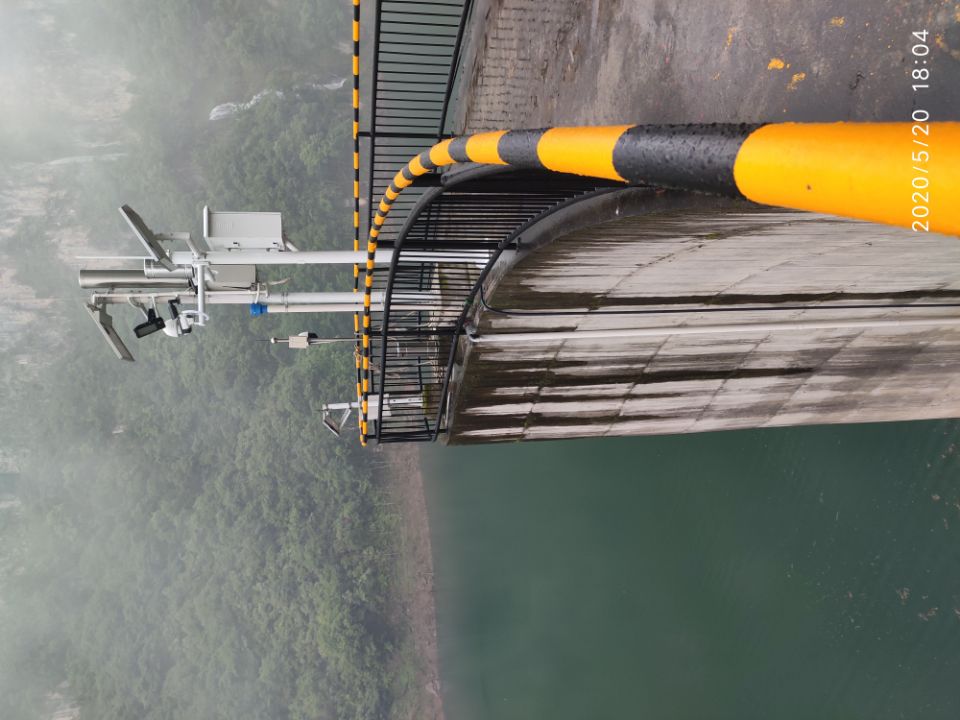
732,329
414,300
295,298
109,279
326,257
388,401
401,301
201,282
265,257
333,308
319,308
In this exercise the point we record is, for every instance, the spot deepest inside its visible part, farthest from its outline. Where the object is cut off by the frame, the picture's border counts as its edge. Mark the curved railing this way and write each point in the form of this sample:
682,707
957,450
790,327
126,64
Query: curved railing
465,224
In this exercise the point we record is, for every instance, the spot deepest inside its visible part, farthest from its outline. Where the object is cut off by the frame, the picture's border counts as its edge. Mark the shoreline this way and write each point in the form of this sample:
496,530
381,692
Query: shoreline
416,609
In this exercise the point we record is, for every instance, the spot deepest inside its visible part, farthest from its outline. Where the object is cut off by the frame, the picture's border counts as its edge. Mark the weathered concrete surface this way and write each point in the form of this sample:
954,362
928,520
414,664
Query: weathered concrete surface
536,63
671,257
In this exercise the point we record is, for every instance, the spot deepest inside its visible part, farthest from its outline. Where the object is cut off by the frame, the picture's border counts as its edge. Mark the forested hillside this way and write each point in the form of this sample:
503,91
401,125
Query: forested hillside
182,538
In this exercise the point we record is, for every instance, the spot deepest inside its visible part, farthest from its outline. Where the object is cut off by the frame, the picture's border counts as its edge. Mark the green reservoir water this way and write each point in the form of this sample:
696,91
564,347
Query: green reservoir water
795,573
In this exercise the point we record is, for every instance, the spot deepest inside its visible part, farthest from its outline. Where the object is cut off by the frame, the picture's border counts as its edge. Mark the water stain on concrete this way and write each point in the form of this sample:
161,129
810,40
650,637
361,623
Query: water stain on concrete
544,62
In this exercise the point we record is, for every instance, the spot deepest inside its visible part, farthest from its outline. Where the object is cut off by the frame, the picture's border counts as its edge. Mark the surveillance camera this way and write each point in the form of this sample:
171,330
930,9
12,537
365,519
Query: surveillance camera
152,324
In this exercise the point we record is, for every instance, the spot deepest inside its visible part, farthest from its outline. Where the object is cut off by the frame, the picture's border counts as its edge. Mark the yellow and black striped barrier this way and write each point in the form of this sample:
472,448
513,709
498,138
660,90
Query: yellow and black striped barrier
356,168
888,173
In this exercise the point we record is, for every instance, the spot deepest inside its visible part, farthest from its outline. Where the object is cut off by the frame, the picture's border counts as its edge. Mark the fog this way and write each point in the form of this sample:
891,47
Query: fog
178,536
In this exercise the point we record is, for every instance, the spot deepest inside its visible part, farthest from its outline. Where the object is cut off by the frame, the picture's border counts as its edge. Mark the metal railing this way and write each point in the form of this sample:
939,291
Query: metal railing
417,48
474,216
466,218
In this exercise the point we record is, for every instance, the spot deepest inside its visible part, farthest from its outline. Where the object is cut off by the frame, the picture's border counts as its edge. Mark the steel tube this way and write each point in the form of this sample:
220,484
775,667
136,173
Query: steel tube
335,307
155,270
322,257
201,294
266,257
318,308
95,279
320,298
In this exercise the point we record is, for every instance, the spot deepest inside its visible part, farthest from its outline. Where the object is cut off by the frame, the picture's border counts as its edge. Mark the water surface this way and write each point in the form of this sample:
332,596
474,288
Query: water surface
791,573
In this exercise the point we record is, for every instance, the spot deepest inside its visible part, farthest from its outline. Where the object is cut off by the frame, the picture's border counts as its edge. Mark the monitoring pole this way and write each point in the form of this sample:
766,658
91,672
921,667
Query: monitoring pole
224,268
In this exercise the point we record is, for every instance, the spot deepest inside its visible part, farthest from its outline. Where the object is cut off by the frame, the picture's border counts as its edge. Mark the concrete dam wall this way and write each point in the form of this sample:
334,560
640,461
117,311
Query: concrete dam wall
643,258
666,260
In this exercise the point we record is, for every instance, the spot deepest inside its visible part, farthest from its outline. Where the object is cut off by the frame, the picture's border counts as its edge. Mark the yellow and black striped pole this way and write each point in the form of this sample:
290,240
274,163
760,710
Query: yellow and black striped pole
865,171
356,172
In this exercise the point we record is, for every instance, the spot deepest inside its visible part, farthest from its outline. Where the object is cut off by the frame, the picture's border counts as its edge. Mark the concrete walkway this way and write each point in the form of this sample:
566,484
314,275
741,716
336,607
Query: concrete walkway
548,62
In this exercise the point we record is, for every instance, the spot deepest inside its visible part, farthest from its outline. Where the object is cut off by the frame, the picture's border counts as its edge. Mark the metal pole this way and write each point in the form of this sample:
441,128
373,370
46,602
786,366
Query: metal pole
321,298
267,257
201,280
325,257
337,307
317,308
93,279
407,301
421,300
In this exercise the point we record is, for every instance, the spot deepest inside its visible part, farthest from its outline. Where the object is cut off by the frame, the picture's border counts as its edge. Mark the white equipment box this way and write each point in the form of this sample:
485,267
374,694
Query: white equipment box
242,230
